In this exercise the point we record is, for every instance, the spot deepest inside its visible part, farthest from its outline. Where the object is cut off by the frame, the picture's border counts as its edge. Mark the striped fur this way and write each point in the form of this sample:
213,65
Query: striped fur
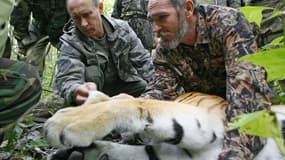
190,128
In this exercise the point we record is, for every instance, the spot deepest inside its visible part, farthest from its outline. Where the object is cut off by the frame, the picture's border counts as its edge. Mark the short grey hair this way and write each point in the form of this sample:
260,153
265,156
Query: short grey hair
178,4
96,2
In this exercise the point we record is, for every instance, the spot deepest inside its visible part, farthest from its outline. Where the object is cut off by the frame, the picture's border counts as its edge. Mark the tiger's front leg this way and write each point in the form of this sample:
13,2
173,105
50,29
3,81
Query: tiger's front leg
83,125
186,126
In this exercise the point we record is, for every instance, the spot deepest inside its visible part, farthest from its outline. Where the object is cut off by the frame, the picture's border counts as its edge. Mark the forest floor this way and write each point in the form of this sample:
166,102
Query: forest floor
25,140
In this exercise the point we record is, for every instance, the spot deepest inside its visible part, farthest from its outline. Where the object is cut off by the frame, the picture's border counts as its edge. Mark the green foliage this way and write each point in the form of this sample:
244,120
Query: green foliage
15,133
255,124
271,55
276,43
254,13
272,60
24,140
11,136
108,7
262,123
49,72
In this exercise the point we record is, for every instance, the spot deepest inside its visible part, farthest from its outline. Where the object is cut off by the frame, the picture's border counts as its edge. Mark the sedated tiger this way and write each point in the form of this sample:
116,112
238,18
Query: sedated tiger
189,128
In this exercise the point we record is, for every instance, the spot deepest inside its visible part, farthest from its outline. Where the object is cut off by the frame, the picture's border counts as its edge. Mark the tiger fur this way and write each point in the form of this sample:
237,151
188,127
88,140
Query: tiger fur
189,128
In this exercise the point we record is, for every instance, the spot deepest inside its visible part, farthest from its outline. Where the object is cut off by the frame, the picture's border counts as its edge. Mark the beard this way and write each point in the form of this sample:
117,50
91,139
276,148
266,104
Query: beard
183,29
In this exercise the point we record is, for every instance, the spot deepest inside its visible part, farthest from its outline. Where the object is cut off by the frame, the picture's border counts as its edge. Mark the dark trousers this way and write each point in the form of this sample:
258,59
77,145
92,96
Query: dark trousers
132,88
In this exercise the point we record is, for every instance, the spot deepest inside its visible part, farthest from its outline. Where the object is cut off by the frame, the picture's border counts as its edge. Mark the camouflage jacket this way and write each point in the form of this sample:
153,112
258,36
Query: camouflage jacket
223,36
279,4
124,9
229,3
135,12
77,54
49,17
270,28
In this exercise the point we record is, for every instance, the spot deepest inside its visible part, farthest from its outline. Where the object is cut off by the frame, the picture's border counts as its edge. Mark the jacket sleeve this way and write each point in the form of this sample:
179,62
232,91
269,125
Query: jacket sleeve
140,57
20,19
247,88
165,80
71,71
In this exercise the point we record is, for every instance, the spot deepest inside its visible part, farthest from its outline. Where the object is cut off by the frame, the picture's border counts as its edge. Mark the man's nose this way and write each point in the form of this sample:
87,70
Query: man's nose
84,22
155,27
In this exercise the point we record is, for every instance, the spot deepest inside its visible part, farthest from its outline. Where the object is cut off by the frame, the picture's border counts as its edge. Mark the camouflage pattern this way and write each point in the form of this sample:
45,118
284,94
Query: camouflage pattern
279,4
229,3
20,86
48,20
80,61
20,89
35,54
6,9
235,3
214,2
211,66
135,13
269,30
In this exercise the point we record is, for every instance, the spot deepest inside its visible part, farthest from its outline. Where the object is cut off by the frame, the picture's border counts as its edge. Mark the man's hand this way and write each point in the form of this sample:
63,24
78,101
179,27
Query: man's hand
22,51
82,92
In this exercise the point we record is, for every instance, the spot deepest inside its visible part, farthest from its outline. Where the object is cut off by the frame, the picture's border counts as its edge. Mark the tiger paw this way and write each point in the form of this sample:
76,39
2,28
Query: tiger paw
68,128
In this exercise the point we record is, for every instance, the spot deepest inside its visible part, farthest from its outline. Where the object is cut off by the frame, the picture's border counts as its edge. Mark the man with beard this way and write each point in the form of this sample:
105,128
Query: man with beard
198,51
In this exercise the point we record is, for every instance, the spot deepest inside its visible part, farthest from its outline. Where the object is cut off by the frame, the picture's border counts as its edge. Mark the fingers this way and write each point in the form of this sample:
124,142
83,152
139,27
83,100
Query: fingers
91,86
80,99
82,92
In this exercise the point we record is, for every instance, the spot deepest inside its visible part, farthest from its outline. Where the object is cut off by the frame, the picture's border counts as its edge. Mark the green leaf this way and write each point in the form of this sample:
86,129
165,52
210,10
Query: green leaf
277,41
39,142
280,99
275,14
243,120
261,123
254,13
272,60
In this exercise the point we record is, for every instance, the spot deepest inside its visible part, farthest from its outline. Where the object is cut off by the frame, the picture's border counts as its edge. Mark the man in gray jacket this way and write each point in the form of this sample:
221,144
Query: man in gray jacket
100,53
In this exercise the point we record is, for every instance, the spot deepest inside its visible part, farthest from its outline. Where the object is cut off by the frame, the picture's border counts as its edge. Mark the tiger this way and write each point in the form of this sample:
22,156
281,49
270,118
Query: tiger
188,128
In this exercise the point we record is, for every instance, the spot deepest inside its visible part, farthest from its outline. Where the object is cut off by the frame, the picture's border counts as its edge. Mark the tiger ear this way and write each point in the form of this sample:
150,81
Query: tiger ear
96,97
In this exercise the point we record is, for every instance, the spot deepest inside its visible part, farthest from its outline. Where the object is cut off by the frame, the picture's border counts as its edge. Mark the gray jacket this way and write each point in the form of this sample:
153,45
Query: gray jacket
81,62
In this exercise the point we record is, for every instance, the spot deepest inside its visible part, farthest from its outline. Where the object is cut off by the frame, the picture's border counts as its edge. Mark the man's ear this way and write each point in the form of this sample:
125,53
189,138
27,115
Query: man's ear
189,8
101,8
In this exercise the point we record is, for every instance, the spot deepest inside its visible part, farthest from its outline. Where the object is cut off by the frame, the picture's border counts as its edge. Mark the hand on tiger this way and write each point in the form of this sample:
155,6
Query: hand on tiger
122,96
82,92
